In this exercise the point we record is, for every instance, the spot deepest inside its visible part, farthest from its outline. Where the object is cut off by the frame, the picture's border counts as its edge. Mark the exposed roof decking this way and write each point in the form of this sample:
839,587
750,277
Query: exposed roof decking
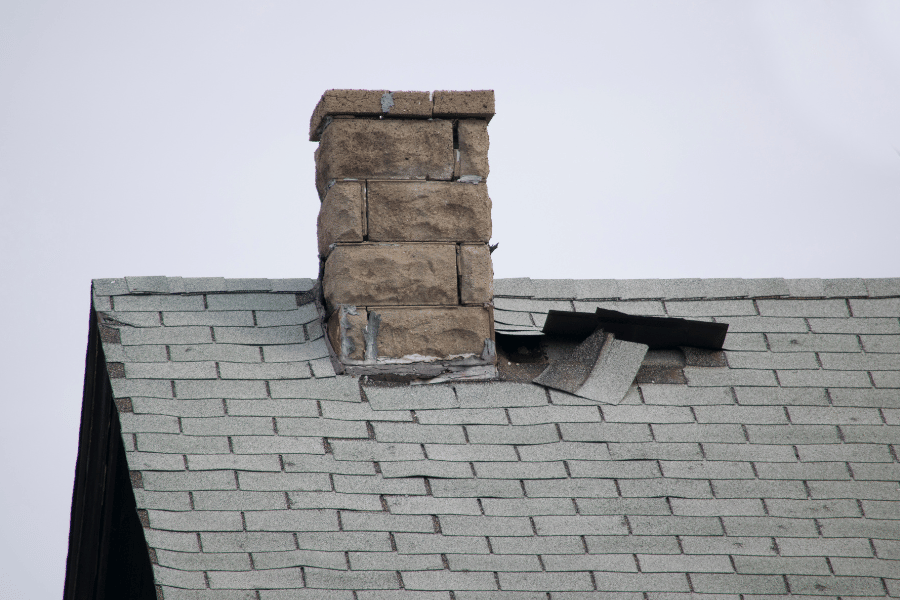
261,470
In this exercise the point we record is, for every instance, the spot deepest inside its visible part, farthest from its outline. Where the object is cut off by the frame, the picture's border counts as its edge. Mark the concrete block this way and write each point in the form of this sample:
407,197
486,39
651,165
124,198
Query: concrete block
428,211
433,332
474,142
384,149
475,103
364,103
342,216
476,273
391,274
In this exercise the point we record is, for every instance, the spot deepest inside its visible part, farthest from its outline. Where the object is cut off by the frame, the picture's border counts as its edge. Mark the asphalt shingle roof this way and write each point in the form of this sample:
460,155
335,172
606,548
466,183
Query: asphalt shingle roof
259,473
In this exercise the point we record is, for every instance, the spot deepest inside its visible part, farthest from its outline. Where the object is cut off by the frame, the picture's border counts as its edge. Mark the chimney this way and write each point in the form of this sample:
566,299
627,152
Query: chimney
403,231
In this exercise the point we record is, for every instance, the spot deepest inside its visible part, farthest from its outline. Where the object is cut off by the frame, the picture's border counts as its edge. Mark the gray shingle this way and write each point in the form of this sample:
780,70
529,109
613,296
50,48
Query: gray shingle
766,324
476,488
161,442
296,352
570,488
549,544
710,308
372,450
605,432
535,415
812,508
741,414
881,343
832,379
162,500
345,389
245,541
886,307
278,444
389,561
613,469
149,388
661,487
793,434
689,432
429,505
291,334
109,287
839,586
310,482
652,308
876,326
268,578
886,549
638,582
772,453
702,376
493,562
187,481
769,360
228,426
706,583
769,526
509,434
681,563
803,471
735,546
270,408
299,558
410,432
411,398
334,500
279,370
202,561
353,484
652,450
460,416
524,507
196,520
444,580
317,427
751,342
500,394
781,396
239,462
676,395
171,540
297,316
538,581
291,520
208,318
322,368
472,452
148,423
214,352
433,543
381,521
828,415
749,488
647,414
188,389
175,577
519,470
712,508
563,451
803,308
238,499
163,370
426,468
483,525
259,302
158,302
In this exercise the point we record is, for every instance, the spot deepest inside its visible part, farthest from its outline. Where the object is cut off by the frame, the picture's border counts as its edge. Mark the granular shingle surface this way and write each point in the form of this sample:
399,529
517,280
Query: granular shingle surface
264,475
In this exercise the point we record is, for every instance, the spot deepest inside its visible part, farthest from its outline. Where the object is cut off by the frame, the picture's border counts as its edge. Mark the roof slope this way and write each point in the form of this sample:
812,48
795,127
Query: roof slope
258,473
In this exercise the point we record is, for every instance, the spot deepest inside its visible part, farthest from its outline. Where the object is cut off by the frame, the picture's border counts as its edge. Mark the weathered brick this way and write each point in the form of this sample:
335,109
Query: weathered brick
342,216
428,211
440,332
476,273
384,149
345,102
474,142
473,104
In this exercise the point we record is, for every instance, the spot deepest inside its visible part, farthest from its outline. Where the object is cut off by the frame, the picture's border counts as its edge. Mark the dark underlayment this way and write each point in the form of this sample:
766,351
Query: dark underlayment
768,469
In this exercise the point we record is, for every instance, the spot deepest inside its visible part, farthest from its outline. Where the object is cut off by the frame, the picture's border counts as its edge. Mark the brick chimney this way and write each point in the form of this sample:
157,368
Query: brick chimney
403,230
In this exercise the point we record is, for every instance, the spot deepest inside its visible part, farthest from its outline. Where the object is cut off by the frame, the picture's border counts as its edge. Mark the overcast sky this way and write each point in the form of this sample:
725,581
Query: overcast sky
632,140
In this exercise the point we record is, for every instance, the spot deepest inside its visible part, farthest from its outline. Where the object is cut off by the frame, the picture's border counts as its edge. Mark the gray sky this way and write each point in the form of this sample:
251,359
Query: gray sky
632,140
